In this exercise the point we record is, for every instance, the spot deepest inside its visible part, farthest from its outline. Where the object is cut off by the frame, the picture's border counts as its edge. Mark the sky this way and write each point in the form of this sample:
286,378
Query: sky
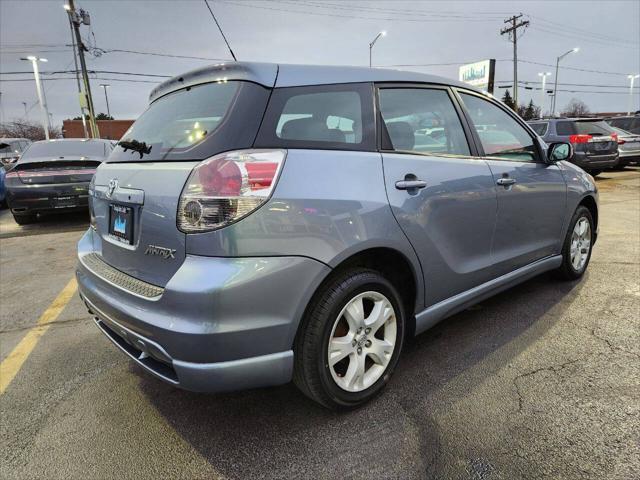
419,35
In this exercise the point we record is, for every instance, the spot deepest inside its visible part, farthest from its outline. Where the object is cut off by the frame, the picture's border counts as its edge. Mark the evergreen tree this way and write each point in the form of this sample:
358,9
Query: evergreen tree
507,99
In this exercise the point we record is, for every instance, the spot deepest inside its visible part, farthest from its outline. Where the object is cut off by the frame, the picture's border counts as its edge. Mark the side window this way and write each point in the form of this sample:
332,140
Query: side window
540,128
325,116
565,128
422,120
500,134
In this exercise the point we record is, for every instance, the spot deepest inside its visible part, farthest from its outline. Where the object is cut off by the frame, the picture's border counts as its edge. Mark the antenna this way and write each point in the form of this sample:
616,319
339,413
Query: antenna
221,32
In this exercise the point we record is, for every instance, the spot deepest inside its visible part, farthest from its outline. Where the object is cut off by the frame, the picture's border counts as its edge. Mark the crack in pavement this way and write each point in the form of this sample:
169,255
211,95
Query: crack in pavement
549,368
55,322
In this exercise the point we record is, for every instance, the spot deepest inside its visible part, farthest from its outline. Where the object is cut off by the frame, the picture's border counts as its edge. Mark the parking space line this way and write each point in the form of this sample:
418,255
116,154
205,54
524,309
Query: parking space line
11,365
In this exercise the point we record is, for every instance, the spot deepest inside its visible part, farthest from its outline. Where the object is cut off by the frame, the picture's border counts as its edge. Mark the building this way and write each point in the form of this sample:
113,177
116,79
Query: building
111,129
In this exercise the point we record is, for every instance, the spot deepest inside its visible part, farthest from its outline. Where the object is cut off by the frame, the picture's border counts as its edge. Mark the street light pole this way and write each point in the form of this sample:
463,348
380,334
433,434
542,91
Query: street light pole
555,88
380,34
544,76
41,99
106,98
631,79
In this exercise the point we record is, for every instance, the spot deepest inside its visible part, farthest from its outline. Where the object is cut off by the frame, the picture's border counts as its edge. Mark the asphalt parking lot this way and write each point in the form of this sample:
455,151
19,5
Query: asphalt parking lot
542,381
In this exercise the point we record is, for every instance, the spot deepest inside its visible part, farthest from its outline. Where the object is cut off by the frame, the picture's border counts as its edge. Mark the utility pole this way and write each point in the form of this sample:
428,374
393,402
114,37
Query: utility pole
75,62
76,20
512,31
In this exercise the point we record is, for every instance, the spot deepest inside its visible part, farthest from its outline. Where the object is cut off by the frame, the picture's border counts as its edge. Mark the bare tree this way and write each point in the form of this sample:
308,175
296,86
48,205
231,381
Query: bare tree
576,108
27,129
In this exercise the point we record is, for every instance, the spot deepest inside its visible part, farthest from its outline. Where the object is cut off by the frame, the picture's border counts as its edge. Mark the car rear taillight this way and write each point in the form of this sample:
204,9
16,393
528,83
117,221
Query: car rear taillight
92,191
621,141
580,138
227,187
11,175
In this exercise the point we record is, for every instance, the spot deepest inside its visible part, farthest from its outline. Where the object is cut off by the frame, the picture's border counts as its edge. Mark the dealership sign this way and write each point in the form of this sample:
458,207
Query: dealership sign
479,74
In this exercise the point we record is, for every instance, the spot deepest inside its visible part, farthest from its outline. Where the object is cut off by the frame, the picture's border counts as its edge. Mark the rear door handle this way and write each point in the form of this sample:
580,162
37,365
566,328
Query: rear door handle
506,181
410,184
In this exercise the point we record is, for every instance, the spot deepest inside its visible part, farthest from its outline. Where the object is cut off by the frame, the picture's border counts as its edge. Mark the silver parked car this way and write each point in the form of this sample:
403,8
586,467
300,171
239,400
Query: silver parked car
261,223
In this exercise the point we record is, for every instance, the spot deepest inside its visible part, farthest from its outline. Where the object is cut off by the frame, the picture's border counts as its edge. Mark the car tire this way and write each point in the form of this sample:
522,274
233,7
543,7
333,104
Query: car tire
575,259
336,315
595,173
25,219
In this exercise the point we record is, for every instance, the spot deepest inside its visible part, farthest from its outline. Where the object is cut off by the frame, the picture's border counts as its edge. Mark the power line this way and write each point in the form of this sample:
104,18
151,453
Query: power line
322,14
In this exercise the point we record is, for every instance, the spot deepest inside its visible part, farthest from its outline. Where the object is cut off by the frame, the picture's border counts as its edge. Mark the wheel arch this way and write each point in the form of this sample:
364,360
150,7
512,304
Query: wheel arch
395,266
590,203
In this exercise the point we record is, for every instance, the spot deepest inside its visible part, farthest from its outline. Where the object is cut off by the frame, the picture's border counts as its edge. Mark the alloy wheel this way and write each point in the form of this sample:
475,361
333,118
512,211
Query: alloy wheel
580,244
362,341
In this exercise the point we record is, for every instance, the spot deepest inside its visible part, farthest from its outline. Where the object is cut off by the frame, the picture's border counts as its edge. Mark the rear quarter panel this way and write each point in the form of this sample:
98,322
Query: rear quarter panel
327,205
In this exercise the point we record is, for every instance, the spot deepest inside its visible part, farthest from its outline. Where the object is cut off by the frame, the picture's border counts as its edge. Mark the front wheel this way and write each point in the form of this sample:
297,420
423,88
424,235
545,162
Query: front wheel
576,251
350,339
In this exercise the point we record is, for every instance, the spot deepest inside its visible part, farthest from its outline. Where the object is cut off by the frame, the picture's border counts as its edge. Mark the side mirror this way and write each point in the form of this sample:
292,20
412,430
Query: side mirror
559,151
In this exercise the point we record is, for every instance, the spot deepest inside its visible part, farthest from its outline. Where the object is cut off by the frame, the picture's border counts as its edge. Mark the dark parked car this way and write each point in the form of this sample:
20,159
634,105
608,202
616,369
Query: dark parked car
264,223
594,147
53,176
11,149
630,123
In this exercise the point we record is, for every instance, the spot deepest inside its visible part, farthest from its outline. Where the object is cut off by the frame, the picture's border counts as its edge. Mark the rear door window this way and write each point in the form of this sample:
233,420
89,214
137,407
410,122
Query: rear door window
500,134
422,120
565,128
324,117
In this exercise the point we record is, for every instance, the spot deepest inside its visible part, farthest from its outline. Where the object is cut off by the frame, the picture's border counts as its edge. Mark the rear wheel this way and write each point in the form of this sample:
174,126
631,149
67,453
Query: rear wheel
25,219
350,339
576,251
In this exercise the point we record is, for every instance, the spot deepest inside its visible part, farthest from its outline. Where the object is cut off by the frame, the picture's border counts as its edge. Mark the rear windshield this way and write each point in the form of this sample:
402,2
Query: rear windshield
195,122
66,149
539,128
593,128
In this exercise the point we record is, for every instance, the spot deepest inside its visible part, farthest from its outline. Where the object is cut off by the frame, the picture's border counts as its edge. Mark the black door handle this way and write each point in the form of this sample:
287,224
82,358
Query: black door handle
410,184
506,181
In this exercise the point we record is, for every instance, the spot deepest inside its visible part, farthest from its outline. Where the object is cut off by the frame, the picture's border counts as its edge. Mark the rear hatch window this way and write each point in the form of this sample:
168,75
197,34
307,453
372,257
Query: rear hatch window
195,123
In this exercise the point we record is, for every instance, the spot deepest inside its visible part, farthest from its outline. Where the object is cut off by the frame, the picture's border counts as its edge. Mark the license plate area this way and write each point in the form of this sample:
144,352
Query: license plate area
65,202
121,223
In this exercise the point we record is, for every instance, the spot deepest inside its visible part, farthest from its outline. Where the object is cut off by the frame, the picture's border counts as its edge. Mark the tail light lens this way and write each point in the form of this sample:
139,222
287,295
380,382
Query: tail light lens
580,138
621,141
227,187
91,192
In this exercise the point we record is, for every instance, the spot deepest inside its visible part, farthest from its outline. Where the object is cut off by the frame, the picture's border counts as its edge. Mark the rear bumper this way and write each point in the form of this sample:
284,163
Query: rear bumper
52,198
629,157
595,162
220,324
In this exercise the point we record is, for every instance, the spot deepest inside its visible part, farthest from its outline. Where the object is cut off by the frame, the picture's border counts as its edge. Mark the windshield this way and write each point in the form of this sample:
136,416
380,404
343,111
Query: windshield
66,148
180,120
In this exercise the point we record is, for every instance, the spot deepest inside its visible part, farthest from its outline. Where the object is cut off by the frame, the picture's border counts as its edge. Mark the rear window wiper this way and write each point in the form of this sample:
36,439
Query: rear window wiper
140,147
